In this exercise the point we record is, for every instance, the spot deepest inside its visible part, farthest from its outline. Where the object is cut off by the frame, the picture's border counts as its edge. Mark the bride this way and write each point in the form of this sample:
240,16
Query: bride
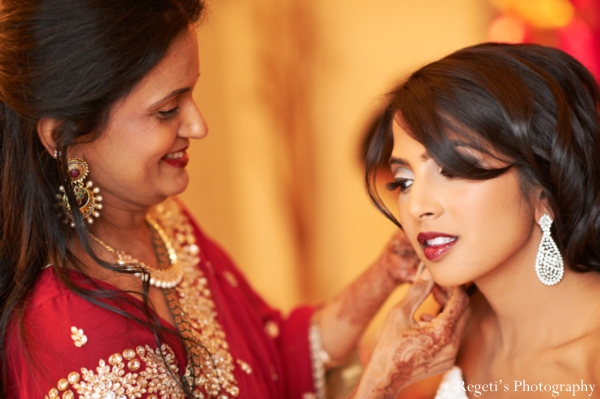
495,152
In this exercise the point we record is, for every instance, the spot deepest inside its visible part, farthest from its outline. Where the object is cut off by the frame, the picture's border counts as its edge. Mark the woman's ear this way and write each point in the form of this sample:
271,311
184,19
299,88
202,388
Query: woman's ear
541,205
45,130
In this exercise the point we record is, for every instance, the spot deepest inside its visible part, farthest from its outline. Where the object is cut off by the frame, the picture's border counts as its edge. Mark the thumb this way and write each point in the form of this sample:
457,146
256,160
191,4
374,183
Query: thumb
417,293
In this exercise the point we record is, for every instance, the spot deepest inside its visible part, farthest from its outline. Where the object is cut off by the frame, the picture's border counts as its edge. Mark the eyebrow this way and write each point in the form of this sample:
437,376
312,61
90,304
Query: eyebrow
174,93
171,95
403,162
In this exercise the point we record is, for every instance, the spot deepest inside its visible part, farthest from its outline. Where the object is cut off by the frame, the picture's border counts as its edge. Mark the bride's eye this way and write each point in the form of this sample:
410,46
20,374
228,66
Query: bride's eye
402,184
403,179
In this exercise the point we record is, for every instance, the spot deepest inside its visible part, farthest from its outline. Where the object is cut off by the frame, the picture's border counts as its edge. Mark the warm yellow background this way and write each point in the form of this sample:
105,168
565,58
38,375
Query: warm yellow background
287,87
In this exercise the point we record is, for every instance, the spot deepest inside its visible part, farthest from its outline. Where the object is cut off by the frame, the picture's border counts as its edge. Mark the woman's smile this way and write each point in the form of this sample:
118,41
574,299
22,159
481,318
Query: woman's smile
177,159
434,244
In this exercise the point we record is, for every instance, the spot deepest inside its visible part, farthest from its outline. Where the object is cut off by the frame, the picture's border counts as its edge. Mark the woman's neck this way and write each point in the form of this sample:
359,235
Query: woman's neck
122,228
119,222
530,316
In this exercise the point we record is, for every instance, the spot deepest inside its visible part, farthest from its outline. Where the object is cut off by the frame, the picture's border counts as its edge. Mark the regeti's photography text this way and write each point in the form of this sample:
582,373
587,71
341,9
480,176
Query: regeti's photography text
524,387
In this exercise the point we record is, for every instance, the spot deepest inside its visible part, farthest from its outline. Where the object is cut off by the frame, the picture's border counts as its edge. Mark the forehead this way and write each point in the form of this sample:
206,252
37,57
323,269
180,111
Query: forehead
178,68
182,56
405,146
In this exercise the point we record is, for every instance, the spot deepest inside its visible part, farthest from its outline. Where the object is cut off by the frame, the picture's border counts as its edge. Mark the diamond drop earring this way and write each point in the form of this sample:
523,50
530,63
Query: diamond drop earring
549,265
85,196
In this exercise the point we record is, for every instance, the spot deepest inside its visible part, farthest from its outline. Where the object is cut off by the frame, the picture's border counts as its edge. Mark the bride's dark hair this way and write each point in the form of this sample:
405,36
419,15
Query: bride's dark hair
70,60
534,107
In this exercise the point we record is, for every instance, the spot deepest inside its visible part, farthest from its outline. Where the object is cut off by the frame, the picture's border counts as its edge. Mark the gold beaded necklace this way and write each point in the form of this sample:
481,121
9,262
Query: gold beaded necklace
168,277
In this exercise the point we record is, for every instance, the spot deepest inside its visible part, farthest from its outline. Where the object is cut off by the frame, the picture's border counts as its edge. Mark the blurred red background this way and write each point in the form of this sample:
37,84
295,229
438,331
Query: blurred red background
571,25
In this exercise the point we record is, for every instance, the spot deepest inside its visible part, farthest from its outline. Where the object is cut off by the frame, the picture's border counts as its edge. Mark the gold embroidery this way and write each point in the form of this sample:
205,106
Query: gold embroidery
133,365
62,384
210,368
115,359
272,329
128,354
244,366
73,378
210,365
230,278
78,337
116,380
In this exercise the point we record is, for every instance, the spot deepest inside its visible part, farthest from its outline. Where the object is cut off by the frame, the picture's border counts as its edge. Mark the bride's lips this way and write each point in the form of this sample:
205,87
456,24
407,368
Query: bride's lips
436,244
177,159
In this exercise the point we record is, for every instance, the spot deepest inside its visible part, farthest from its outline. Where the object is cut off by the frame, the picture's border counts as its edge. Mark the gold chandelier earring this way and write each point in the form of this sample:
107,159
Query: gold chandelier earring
88,202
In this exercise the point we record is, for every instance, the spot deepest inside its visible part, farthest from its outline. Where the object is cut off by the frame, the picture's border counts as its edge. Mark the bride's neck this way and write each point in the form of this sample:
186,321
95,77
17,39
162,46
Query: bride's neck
529,315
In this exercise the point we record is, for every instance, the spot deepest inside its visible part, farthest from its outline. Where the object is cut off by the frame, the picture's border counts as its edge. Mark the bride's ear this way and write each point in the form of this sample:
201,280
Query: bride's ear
45,131
541,205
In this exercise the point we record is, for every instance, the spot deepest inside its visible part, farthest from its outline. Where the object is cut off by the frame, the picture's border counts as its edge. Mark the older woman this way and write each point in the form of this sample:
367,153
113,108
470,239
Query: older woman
110,289
494,150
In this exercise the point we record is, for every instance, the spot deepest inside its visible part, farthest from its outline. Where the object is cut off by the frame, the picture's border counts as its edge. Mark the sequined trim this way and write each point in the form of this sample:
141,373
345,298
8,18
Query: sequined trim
318,355
78,337
121,378
210,368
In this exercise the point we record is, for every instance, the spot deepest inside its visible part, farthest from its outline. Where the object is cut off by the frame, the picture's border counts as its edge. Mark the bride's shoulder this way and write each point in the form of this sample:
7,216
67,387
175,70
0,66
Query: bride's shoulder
577,356
586,347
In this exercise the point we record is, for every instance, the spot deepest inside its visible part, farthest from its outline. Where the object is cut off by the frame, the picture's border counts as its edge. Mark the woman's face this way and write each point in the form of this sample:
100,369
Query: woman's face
139,158
463,230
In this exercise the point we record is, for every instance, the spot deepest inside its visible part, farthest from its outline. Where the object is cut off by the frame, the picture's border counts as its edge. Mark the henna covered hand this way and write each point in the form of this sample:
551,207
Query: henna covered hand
399,259
406,351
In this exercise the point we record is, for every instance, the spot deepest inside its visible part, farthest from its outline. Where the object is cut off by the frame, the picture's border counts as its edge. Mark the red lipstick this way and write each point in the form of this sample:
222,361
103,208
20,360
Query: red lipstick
436,244
179,162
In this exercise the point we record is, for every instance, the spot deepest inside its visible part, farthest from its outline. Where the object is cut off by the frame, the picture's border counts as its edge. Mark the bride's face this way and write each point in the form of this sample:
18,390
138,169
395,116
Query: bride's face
463,230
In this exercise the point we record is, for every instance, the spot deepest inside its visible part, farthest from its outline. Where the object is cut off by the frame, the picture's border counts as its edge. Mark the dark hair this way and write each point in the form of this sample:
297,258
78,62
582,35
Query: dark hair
70,60
534,107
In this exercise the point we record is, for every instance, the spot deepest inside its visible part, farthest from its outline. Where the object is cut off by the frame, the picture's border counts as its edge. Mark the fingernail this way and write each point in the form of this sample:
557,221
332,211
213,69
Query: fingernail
425,275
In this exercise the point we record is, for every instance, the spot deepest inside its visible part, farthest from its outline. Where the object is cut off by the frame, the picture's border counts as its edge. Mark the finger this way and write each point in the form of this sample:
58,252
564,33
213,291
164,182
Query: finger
413,269
449,338
417,293
449,351
461,324
458,332
426,317
457,304
446,290
440,296
400,237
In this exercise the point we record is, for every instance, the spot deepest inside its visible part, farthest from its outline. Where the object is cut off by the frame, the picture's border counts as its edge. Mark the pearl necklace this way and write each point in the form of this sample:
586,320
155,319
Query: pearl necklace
160,278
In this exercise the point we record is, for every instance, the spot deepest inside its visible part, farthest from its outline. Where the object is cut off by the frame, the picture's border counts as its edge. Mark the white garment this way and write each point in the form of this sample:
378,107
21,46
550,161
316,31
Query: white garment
452,385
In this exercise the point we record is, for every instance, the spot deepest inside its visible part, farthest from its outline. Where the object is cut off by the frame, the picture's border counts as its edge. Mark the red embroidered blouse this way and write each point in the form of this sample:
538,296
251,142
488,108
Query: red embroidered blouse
82,350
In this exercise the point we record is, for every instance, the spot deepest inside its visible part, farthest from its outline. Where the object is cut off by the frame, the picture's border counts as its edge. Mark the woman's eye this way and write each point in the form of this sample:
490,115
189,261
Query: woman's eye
168,113
402,184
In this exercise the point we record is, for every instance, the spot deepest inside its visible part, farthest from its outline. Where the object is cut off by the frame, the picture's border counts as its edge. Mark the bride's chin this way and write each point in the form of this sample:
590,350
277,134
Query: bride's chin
448,278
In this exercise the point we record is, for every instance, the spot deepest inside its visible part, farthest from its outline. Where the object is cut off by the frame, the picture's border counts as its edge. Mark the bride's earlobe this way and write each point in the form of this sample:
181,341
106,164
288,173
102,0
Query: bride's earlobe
541,205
